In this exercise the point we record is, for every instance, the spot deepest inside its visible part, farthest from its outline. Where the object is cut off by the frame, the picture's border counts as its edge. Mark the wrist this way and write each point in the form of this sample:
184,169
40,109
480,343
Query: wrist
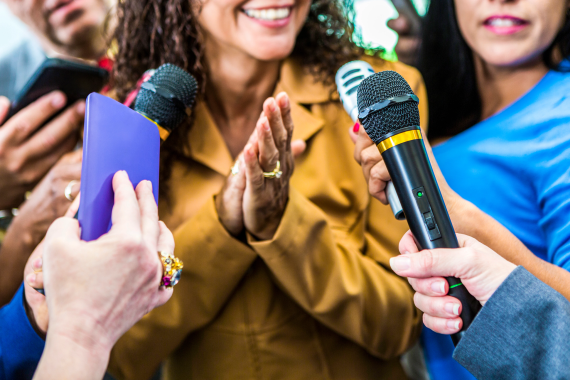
461,213
82,331
64,357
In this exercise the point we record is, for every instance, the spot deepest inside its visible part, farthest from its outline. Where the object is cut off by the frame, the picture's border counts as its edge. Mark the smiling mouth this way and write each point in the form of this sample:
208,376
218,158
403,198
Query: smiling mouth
57,7
504,22
269,14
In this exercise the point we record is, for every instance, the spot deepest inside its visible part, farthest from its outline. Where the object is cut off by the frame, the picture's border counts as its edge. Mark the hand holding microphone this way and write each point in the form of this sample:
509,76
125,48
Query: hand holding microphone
480,269
376,173
389,114
348,79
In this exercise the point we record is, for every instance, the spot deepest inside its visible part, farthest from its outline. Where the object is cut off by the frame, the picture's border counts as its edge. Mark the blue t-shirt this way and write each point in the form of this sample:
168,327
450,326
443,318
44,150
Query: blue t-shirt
515,166
20,346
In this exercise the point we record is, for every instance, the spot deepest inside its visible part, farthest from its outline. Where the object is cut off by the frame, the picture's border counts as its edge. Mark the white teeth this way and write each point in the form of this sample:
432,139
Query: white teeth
268,14
502,22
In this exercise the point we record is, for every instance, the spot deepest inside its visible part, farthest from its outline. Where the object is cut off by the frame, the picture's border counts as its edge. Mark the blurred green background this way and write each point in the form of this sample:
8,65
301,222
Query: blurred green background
371,19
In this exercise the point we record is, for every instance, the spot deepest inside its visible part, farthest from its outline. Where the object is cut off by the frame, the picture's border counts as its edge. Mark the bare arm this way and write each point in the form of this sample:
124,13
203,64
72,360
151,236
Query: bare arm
466,217
469,220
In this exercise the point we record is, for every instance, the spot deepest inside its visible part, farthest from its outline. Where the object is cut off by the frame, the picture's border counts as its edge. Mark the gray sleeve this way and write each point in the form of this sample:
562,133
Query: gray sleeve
522,332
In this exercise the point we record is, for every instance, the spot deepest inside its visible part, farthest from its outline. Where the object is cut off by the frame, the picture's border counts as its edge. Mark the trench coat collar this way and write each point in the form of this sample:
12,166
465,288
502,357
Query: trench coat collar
207,145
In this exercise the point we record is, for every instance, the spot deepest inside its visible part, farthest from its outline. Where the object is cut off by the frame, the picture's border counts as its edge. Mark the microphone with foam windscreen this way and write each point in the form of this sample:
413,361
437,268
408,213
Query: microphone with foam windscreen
348,78
388,110
166,98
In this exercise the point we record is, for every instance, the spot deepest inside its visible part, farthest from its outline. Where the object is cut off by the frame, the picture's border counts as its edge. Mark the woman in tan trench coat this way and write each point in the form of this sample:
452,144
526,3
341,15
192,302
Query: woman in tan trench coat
284,278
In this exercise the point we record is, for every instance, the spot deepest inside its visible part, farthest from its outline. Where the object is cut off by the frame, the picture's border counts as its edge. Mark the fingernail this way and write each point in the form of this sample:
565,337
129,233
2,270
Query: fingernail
453,325
58,100
247,149
452,308
31,278
284,101
400,263
149,184
80,108
124,172
356,127
271,105
407,253
37,263
266,126
438,287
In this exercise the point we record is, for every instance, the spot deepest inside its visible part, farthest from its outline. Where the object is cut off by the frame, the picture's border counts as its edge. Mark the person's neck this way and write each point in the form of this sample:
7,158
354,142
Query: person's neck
236,88
499,87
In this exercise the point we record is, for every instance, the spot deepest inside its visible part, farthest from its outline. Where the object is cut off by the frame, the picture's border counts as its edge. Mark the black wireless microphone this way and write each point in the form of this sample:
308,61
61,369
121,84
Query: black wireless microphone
166,98
389,114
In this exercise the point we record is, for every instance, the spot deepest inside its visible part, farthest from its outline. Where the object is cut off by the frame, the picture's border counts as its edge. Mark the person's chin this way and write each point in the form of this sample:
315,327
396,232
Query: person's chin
73,35
272,49
513,57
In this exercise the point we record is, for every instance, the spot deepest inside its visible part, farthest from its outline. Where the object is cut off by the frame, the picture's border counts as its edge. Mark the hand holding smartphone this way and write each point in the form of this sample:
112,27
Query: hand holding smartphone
37,128
75,80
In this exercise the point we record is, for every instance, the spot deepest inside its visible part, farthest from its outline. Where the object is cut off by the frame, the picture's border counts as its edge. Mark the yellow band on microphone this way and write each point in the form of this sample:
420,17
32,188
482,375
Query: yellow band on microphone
161,131
398,139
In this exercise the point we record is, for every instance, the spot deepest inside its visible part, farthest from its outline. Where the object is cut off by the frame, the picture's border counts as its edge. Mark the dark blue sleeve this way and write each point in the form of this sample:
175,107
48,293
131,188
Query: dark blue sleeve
20,346
522,332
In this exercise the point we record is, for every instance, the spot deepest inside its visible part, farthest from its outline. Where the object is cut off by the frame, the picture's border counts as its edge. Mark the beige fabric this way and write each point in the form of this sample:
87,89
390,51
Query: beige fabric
319,301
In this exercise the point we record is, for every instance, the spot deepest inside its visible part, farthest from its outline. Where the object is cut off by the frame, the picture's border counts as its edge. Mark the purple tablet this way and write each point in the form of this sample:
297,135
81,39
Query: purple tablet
115,138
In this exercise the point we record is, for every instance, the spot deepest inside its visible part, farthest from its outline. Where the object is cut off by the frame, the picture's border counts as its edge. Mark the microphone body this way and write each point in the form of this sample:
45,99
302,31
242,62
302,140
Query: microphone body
409,167
389,114
347,79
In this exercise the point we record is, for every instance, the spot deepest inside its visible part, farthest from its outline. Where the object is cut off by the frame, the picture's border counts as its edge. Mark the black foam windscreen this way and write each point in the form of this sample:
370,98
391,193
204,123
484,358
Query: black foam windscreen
166,112
377,88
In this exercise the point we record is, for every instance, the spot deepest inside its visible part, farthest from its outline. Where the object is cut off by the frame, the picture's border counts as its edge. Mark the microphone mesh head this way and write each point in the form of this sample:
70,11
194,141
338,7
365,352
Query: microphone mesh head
163,111
379,87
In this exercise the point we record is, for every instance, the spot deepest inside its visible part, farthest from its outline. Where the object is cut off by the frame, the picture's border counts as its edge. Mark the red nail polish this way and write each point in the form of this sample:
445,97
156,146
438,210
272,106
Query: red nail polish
356,127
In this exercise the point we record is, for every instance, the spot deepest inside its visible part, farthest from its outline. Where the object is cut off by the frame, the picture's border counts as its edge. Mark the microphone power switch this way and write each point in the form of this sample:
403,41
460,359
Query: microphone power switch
428,218
425,208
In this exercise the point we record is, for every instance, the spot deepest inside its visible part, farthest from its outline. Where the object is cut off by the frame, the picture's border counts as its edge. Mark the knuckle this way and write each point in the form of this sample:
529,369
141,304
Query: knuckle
367,158
14,165
29,177
257,181
131,244
22,127
426,261
48,142
282,142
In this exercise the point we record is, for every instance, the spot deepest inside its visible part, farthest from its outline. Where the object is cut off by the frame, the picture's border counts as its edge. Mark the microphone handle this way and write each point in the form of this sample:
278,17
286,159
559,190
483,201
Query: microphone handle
424,208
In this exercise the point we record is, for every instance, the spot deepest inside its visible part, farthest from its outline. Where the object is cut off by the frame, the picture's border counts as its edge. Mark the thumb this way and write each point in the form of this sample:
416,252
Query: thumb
408,244
298,147
431,263
63,229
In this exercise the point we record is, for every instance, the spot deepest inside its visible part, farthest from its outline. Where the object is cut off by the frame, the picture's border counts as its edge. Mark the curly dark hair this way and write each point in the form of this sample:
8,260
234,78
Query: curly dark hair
150,33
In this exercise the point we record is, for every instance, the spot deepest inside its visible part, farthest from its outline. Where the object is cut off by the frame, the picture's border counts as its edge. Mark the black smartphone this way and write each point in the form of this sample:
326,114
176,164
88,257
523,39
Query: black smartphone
76,80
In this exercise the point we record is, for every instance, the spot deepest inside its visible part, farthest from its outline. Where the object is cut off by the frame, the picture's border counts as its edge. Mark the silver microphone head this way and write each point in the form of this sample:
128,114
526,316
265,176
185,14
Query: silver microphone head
347,79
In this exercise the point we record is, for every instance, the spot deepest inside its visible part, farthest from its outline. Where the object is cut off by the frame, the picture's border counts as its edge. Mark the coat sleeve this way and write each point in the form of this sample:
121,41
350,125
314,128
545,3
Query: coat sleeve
20,346
344,284
522,332
214,263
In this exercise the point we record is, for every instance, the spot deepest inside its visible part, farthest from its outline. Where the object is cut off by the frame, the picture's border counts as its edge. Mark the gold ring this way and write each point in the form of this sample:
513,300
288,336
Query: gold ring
172,267
68,189
276,173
